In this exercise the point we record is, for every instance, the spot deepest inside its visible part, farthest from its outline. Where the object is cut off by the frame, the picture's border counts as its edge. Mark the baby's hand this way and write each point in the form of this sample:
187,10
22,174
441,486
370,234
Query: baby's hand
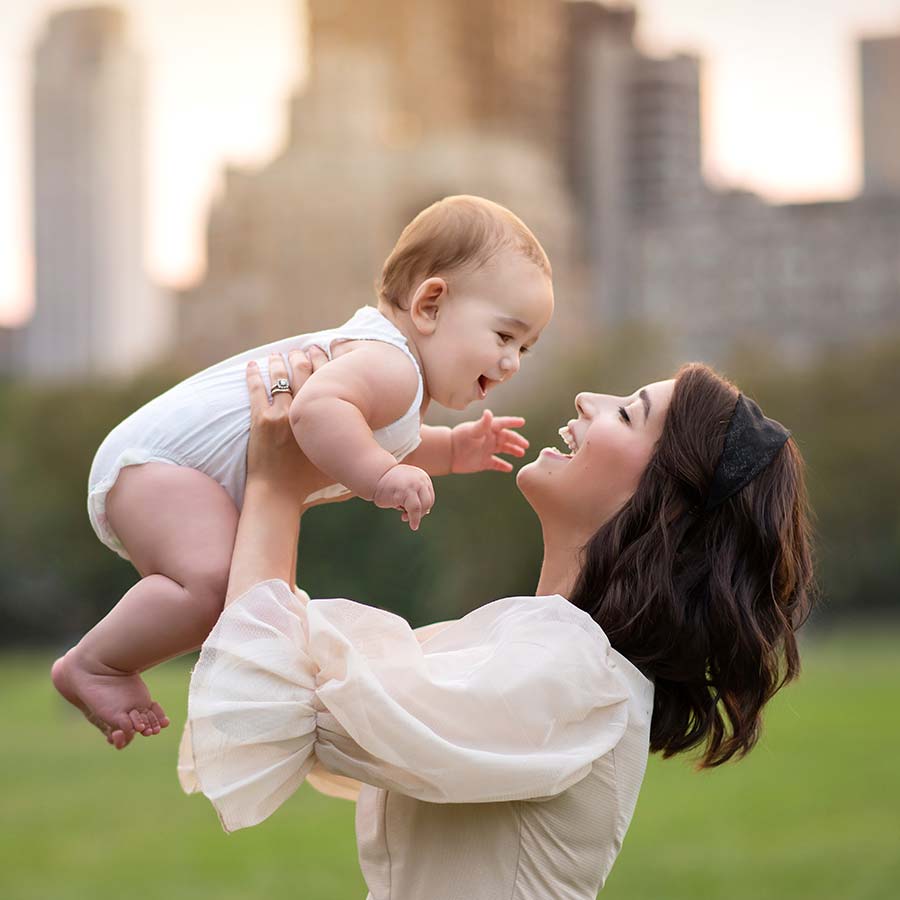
474,444
408,488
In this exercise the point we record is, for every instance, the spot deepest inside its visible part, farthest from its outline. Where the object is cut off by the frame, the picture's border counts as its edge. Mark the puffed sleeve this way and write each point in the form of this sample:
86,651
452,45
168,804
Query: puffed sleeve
515,700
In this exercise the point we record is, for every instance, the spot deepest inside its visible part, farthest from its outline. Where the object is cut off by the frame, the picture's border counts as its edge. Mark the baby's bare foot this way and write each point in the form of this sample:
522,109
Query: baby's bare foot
58,674
117,703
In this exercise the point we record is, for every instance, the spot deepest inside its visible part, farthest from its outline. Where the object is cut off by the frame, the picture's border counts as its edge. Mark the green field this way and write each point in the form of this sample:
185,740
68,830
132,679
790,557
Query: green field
813,813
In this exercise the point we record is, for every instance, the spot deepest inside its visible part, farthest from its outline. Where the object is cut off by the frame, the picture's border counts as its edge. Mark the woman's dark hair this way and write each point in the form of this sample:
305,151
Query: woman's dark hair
707,604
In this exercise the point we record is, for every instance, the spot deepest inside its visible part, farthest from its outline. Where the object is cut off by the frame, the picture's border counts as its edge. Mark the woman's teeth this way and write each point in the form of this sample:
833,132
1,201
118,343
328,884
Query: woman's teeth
569,438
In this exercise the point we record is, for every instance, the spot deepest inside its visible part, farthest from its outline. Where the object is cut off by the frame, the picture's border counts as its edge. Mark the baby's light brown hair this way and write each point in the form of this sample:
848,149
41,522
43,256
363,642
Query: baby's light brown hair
461,232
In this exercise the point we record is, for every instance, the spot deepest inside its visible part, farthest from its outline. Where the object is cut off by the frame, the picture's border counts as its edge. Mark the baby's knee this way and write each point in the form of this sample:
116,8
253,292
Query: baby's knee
207,596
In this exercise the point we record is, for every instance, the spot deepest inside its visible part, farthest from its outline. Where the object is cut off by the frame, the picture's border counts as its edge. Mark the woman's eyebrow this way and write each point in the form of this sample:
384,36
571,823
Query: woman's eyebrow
645,397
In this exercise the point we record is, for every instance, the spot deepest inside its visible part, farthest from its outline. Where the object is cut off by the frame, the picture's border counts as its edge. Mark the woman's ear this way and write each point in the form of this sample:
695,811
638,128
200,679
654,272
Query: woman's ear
426,304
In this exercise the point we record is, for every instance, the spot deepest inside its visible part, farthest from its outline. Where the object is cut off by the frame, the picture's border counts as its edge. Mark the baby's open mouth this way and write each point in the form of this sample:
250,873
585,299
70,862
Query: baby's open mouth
482,386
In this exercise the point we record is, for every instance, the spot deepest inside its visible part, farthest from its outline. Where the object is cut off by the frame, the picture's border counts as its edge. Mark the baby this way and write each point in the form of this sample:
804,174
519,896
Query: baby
464,293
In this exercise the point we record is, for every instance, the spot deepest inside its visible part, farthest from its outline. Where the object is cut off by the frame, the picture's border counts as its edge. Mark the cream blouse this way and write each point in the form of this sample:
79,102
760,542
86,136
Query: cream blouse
497,756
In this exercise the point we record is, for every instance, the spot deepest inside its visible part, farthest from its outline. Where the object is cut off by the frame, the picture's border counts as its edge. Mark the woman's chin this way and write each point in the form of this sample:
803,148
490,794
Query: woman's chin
525,475
532,474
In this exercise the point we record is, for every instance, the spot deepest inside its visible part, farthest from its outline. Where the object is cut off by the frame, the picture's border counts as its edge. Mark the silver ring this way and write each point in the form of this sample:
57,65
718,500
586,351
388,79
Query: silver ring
282,386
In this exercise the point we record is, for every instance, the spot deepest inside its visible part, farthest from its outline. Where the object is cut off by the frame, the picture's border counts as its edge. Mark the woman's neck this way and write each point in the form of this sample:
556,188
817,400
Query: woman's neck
561,565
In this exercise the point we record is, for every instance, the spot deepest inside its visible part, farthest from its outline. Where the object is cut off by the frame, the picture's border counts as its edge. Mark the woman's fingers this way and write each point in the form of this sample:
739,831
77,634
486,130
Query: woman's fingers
277,371
259,396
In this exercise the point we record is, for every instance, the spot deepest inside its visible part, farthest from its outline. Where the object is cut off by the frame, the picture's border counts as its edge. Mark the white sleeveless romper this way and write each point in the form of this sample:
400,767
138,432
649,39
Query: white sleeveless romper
203,422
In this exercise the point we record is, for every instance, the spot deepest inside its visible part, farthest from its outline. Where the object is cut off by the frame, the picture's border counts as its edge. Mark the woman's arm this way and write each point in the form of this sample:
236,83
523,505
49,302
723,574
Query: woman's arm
279,477
267,536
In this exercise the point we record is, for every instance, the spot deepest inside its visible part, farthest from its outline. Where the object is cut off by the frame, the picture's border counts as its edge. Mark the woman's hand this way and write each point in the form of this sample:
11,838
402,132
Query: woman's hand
273,456
279,478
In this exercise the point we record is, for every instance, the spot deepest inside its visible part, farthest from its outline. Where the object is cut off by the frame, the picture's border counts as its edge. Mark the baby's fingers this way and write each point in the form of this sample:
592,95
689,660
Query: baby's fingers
317,357
513,448
508,422
500,465
301,368
413,509
510,438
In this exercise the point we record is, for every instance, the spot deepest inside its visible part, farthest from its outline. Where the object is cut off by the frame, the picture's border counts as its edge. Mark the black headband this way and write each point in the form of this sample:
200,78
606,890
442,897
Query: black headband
751,443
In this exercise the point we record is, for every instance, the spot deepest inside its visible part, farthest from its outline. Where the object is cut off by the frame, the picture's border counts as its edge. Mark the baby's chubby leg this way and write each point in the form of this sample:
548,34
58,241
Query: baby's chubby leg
178,527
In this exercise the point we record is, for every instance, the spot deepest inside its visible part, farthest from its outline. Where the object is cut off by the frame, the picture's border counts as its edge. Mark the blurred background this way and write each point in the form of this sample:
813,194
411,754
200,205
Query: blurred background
184,179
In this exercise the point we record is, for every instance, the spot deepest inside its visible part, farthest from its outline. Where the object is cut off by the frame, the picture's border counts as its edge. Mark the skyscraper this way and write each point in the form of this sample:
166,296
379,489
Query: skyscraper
632,143
406,102
95,312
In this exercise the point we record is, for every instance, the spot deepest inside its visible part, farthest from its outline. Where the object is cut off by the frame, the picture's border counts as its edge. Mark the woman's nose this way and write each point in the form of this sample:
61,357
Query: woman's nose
585,403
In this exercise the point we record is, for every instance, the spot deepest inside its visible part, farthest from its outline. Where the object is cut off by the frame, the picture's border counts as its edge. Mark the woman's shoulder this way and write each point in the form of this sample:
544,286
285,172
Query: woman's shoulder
531,614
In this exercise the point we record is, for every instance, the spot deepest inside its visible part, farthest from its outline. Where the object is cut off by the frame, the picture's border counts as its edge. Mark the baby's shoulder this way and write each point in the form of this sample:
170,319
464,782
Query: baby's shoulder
371,349
380,360
382,377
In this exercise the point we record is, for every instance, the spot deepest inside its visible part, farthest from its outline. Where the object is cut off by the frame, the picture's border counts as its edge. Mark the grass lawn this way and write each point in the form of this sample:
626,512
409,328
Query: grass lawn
813,813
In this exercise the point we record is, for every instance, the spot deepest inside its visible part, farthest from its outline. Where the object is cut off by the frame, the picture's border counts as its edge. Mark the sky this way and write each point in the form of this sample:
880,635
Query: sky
779,98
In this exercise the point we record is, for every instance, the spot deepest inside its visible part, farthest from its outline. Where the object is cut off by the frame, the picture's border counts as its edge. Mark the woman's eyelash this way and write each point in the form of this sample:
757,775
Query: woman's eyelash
624,414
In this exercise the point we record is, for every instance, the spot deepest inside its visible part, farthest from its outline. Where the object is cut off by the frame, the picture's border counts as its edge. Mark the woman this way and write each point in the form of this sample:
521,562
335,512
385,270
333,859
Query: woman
501,755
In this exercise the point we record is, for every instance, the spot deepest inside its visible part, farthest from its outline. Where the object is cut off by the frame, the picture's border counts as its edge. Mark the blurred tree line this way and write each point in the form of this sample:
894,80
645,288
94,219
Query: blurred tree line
482,540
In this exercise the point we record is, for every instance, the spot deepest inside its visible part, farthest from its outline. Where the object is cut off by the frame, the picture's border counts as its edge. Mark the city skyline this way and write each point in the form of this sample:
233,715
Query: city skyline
183,174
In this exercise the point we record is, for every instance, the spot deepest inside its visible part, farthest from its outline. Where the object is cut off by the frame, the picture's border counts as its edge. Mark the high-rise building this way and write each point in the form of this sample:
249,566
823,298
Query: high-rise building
551,108
663,136
95,312
632,144
880,77
487,64
406,102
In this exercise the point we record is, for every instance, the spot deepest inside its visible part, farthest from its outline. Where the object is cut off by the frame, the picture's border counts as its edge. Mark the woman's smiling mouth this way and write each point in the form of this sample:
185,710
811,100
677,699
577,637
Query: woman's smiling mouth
568,436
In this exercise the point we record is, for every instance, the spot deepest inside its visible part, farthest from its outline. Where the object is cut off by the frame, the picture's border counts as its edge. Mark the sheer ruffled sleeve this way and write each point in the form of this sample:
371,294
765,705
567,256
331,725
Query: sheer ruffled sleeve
513,701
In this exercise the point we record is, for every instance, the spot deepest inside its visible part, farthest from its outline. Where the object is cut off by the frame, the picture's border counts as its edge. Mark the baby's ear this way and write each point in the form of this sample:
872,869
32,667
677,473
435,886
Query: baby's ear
426,304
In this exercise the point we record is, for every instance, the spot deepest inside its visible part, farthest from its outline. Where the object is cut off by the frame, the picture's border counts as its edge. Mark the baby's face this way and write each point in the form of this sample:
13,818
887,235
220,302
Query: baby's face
489,319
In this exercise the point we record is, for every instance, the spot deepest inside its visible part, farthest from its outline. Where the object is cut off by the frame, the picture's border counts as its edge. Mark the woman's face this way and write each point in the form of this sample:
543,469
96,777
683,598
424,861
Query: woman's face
610,443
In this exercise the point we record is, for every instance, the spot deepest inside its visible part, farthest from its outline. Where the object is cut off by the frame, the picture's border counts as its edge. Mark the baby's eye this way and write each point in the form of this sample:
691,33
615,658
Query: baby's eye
623,413
505,338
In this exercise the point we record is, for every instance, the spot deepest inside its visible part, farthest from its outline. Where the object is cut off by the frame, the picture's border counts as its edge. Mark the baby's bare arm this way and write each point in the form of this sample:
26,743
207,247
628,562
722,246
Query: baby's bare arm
434,454
335,412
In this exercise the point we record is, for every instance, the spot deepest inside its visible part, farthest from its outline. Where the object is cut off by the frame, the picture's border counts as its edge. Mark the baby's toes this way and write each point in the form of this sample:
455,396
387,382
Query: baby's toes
119,739
152,721
160,715
138,721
